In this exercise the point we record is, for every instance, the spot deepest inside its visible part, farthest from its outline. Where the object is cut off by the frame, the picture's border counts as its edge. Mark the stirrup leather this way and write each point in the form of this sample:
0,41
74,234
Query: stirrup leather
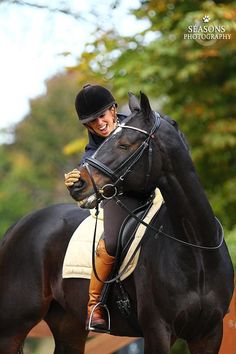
94,328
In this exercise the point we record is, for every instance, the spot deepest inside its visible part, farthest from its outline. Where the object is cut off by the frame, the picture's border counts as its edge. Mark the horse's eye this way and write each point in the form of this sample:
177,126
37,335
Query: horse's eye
123,146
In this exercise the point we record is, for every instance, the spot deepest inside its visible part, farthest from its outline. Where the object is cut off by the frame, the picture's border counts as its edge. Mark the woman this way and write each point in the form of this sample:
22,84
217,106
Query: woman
97,110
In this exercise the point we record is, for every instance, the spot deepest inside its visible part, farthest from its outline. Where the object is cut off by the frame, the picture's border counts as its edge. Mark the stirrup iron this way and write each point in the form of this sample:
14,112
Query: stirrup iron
95,329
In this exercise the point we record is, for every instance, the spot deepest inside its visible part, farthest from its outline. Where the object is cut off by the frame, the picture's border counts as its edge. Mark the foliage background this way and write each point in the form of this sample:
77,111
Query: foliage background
192,83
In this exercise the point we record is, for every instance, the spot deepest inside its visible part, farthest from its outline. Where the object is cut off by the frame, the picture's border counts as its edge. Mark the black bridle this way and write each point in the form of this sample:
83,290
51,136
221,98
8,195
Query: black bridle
110,190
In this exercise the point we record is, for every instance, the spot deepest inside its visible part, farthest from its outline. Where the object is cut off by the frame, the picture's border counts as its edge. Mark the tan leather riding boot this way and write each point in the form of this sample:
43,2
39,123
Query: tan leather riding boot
103,265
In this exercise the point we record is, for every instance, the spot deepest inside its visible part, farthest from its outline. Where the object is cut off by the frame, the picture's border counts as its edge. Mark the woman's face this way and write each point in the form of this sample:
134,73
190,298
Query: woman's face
104,124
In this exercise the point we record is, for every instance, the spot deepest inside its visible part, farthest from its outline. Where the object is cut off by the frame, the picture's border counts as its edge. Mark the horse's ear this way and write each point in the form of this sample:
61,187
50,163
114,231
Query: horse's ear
134,105
145,105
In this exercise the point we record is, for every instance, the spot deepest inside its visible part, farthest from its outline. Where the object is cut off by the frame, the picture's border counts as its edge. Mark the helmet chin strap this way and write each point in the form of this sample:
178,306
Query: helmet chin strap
115,118
90,129
116,122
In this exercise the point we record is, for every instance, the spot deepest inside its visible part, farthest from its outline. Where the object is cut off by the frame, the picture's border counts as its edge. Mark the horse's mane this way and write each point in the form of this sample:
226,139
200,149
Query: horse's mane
175,125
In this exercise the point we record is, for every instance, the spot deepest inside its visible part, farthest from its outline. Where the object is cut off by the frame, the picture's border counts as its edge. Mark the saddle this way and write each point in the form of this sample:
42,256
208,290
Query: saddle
129,228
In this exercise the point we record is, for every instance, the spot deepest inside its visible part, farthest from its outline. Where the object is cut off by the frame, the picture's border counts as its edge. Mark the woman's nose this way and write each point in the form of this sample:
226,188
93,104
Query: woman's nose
99,120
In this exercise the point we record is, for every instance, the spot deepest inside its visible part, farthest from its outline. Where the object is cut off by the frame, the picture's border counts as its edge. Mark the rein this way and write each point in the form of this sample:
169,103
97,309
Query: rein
160,232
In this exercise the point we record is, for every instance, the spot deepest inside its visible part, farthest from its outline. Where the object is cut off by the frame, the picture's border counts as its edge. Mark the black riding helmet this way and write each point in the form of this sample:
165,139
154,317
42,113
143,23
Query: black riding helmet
92,101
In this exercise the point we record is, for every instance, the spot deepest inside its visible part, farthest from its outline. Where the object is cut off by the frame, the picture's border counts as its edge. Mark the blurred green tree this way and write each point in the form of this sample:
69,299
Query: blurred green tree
32,167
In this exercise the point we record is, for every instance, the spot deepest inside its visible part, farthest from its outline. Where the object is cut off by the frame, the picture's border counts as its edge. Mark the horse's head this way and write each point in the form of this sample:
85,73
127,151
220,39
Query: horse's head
128,161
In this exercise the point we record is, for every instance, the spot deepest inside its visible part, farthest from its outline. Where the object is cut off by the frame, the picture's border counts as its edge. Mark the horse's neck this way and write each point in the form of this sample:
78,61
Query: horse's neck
189,209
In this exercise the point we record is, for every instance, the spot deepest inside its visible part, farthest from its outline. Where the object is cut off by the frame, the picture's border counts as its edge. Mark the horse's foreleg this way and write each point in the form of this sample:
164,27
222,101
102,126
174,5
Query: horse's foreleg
156,342
12,344
157,338
21,350
68,331
208,345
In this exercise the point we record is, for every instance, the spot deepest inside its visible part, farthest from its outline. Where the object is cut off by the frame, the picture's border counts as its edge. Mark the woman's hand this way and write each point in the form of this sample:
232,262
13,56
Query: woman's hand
72,177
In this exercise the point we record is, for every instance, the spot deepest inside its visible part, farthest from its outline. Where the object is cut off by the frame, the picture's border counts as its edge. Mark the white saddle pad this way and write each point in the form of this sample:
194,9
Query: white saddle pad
78,258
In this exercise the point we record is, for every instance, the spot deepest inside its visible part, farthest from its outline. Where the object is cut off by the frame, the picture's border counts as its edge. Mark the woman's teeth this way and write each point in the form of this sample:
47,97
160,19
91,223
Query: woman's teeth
103,128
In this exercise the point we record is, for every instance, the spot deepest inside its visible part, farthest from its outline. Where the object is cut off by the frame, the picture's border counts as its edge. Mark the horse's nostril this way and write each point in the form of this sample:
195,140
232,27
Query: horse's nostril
77,188
80,184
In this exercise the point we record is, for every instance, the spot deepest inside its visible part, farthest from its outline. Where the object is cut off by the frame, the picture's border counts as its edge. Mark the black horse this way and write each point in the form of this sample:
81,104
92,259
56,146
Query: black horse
183,283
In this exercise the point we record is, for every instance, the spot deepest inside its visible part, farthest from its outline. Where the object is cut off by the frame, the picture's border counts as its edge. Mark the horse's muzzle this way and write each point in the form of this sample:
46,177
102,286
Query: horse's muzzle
81,184
77,188
89,202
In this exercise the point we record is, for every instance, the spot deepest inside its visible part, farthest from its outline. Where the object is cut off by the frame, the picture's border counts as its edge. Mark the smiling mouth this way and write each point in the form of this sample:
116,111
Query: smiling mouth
104,128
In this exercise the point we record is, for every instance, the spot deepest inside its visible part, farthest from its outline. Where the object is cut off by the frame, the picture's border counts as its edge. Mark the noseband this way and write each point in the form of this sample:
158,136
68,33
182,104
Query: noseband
110,190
